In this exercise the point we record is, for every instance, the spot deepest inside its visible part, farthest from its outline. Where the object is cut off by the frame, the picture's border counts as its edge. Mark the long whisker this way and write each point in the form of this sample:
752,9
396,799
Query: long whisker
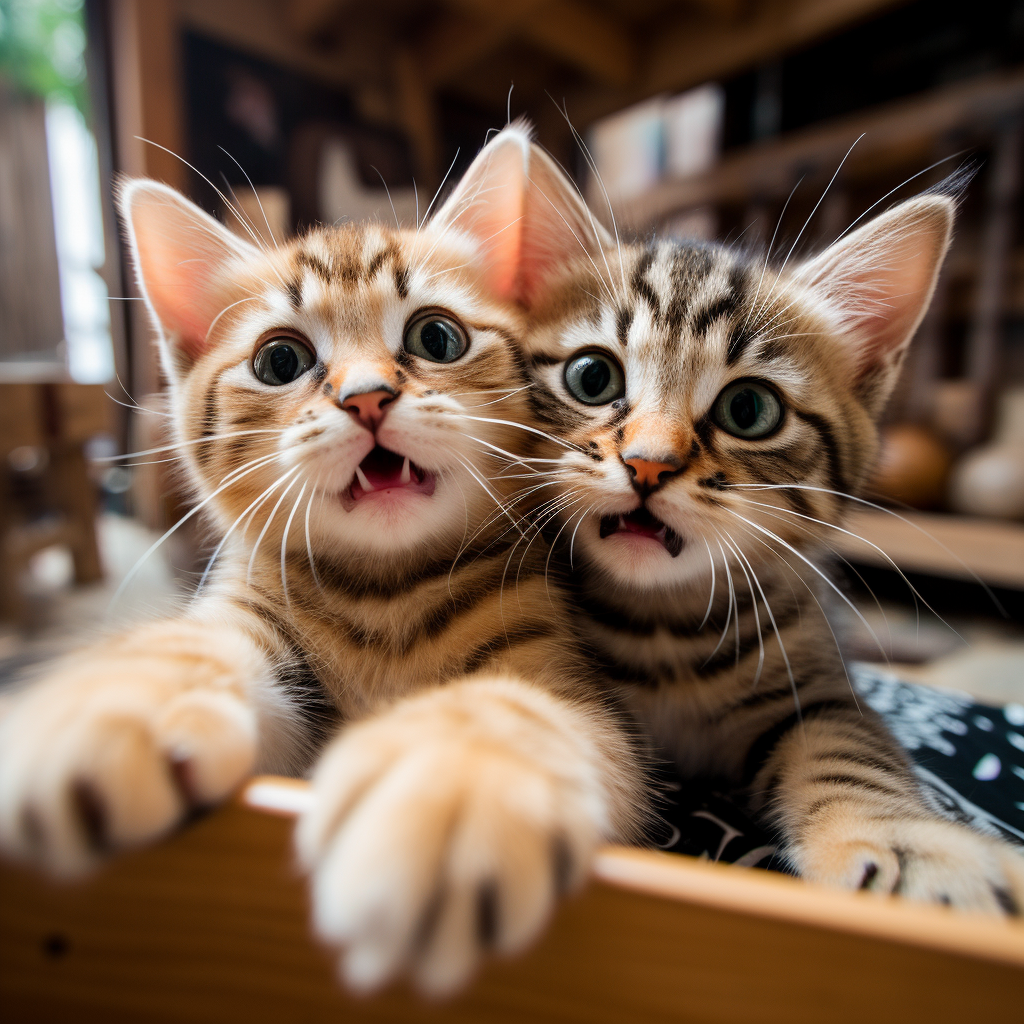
133,572
284,543
266,525
881,508
814,568
731,544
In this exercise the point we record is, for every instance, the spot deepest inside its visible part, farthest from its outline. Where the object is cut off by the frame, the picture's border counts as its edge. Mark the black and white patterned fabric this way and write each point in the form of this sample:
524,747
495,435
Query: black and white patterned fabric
969,758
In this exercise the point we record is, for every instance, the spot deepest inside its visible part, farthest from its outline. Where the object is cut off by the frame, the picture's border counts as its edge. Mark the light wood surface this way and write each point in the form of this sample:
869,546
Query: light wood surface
212,926
941,545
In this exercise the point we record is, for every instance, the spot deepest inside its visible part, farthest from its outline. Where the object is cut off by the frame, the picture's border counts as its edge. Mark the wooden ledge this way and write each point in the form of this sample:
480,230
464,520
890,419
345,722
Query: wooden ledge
212,925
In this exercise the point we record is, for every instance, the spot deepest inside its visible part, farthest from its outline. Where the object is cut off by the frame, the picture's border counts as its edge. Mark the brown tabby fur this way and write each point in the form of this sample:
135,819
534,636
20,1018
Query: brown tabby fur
724,651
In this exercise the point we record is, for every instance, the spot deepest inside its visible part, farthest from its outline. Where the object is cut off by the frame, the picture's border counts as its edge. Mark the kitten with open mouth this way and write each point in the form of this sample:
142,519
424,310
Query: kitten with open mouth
384,473
351,411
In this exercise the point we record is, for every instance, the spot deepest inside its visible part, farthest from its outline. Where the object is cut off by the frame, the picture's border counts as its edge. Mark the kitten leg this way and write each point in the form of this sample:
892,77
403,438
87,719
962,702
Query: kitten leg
120,742
848,806
448,825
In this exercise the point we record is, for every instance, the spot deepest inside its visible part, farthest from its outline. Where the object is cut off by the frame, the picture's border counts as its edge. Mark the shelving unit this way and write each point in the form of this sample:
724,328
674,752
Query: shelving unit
956,547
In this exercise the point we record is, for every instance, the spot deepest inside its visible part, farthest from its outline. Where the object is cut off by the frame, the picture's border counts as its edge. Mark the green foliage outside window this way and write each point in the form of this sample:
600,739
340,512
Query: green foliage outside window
42,48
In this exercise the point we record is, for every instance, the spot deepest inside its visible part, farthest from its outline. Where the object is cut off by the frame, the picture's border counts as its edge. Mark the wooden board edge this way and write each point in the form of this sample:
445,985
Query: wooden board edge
751,891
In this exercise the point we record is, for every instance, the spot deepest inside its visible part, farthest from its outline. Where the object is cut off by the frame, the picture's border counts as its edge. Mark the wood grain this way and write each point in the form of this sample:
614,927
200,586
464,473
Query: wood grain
212,926
960,547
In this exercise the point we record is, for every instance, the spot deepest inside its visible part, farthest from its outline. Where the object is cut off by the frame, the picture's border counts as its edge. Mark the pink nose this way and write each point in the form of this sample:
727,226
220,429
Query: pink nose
369,407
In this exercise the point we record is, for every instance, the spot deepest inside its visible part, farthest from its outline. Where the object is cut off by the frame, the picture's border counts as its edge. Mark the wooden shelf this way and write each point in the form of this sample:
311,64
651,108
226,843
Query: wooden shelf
940,545
894,135
212,926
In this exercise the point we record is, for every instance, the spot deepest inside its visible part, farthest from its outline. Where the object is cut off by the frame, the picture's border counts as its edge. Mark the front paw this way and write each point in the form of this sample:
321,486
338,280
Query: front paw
924,859
437,835
106,756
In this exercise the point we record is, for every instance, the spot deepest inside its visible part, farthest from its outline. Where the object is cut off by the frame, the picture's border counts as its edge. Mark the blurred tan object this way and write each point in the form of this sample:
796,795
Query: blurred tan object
955,411
692,125
912,466
627,148
44,426
989,481
265,210
30,304
344,197
1009,426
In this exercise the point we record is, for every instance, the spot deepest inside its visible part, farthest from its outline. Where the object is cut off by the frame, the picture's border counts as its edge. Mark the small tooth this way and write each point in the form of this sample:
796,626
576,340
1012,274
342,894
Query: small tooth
406,473
363,482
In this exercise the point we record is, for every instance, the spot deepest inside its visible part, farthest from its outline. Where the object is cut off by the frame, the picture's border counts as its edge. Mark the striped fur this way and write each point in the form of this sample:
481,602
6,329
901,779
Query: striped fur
481,760
724,650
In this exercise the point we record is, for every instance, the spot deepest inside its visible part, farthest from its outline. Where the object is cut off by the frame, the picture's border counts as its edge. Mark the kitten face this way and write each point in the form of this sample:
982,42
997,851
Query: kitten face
712,411
368,426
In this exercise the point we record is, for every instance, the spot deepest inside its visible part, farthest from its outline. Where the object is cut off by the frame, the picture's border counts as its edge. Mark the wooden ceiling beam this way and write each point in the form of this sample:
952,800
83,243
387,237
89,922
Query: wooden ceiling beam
689,53
308,17
570,30
586,38
693,51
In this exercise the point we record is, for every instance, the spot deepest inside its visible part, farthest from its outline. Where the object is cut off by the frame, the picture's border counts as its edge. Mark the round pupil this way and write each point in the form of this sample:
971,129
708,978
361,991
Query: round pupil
284,362
595,377
745,408
435,337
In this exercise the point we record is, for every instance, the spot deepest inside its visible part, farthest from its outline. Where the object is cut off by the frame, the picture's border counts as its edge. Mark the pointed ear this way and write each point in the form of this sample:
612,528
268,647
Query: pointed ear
524,213
183,258
878,281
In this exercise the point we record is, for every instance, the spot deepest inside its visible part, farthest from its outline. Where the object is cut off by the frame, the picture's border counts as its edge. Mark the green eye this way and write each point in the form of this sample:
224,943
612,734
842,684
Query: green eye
748,409
282,360
435,338
594,378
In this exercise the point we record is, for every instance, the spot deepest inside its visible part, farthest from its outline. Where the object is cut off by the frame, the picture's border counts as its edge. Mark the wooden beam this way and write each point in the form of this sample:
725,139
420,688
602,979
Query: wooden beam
212,926
581,35
308,17
418,114
694,50
690,53
585,37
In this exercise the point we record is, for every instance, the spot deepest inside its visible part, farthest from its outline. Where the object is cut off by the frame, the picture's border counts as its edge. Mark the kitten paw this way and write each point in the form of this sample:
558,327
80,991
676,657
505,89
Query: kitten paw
104,757
441,832
929,860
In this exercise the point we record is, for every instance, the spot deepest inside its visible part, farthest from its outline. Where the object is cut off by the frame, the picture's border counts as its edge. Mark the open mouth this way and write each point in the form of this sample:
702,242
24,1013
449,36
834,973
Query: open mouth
383,471
641,523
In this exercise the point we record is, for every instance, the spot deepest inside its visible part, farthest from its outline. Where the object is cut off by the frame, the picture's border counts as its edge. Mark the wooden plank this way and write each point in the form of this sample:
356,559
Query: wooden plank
687,54
308,17
587,38
890,132
212,926
30,300
941,545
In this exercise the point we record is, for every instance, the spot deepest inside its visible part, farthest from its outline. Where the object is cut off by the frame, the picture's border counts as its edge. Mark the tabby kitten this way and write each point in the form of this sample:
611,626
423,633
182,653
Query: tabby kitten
348,409
714,412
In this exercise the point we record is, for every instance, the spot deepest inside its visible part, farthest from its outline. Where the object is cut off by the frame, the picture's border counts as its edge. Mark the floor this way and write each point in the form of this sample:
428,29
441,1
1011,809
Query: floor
982,655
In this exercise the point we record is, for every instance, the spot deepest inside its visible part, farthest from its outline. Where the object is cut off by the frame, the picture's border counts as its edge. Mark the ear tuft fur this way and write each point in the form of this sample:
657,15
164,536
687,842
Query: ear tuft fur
525,214
875,285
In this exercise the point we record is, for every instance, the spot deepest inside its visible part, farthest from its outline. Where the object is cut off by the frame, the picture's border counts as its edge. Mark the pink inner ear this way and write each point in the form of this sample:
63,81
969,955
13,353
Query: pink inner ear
178,290
881,277
181,254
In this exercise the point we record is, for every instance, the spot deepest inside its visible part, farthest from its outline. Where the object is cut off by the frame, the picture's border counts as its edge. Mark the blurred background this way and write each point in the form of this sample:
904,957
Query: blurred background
718,119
